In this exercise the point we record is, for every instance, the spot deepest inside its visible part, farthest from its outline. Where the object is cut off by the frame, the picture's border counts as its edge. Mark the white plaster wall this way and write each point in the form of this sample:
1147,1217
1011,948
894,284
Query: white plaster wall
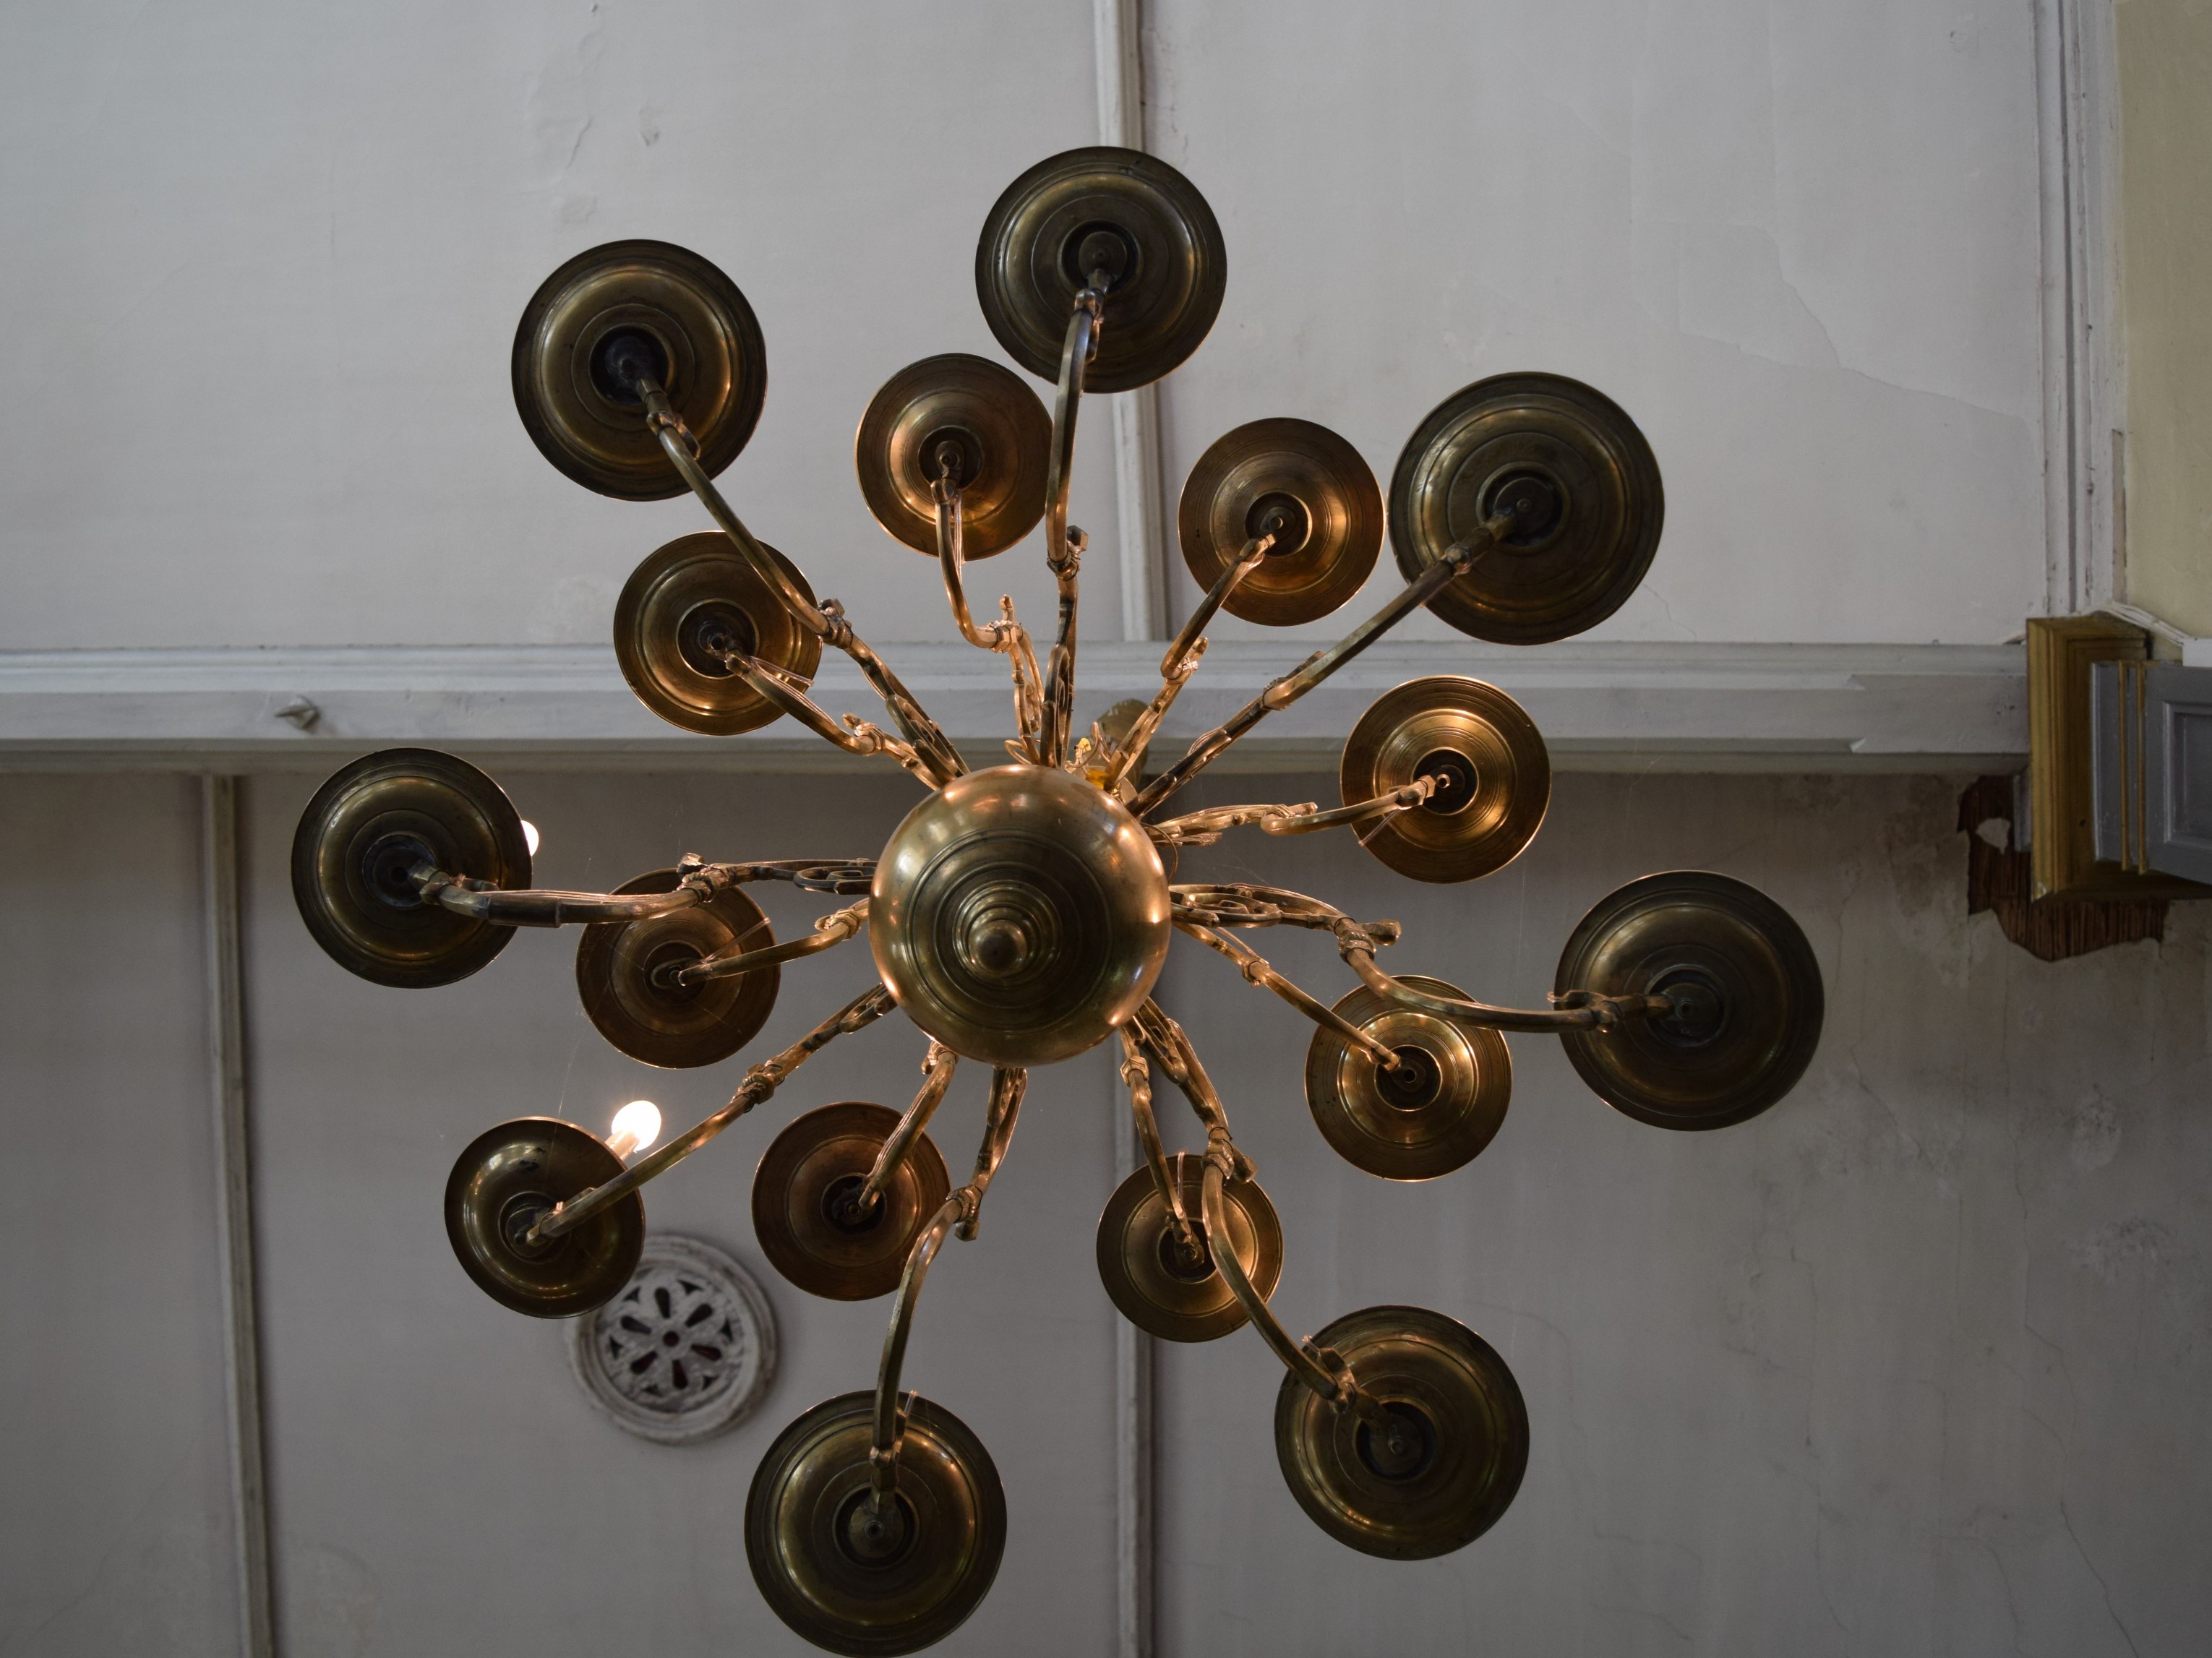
115,1511
261,265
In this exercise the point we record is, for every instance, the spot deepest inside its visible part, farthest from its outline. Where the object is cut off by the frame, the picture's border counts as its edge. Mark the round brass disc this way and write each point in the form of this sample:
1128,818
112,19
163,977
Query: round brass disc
1018,915
990,415
1147,218
1155,1287
1308,479
1753,1020
855,1587
699,338
1449,1463
676,1026
1578,479
1492,771
510,1174
367,828
696,591
1415,1126
802,1194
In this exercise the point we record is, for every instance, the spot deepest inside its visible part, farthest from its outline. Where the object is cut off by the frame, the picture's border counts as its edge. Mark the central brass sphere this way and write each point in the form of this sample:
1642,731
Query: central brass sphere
1019,915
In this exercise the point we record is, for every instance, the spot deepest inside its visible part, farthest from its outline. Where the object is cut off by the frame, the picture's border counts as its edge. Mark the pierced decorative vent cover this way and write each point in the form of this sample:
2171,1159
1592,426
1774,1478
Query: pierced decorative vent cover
685,1352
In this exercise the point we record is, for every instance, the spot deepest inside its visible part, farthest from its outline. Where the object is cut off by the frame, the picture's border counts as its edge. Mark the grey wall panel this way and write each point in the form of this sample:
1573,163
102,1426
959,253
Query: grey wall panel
115,1531
440,1482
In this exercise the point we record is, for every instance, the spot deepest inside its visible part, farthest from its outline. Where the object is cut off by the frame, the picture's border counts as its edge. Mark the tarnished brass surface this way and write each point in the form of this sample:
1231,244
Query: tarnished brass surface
1002,434
854,1584
1571,470
656,1019
509,1176
1493,776
804,1212
693,595
1451,1460
1303,478
1401,1126
1164,250
362,834
1748,992
702,343
1019,915
1157,1287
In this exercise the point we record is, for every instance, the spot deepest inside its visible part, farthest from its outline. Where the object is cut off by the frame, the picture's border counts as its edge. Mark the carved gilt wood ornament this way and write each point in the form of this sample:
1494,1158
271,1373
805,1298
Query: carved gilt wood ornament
1021,913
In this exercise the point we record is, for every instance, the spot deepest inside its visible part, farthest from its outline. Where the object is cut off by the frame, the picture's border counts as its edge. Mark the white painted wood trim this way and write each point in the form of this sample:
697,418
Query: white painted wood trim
1600,706
226,1016
2085,358
1117,27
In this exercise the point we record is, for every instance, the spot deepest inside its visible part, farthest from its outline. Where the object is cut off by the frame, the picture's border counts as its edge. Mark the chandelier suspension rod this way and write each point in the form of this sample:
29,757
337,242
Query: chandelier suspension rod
1281,693
760,1083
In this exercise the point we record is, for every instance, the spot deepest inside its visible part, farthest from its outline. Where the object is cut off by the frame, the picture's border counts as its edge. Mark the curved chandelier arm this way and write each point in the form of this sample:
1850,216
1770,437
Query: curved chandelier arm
1060,666
1183,656
1137,1077
1320,1368
763,1080
891,1421
854,736
1257,971
1203,829
1006,636
928,738
697,883
1282,692
1573,1010
1077,349
1170,1050
1008,1084
937,1066
1223,903
830,930
683,450
958,1212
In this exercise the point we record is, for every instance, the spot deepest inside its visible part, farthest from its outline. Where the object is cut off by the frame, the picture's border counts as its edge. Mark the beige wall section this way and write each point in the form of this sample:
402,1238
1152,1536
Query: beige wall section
2166,131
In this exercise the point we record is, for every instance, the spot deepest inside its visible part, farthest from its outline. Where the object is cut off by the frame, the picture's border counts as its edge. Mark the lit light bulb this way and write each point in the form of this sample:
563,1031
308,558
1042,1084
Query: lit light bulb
636,1126
530,836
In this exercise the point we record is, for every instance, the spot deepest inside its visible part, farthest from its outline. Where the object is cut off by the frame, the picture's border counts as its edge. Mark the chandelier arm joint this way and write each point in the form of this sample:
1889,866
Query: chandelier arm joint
1136,1076
930,743
832,929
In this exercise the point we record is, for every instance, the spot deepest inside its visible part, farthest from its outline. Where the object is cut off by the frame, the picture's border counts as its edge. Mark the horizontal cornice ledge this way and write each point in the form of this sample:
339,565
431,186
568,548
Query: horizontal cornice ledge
1602,707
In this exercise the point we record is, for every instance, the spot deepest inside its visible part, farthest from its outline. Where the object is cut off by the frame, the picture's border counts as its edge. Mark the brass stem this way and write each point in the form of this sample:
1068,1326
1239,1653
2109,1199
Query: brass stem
1182,658
1573,1010
1006,635
1136,1076
1282,692
830,930
1317,1368
1257,971
937,1066
760,1083
1063,547
697,882
958,1211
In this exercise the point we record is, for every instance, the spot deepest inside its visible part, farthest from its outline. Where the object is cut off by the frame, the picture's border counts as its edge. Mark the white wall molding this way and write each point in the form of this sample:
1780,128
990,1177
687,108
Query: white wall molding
1117,27
225,1020
2084,368
1602,707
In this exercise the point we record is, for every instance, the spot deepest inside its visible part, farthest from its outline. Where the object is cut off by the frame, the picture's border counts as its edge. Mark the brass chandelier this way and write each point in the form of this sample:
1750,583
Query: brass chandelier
1021,913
